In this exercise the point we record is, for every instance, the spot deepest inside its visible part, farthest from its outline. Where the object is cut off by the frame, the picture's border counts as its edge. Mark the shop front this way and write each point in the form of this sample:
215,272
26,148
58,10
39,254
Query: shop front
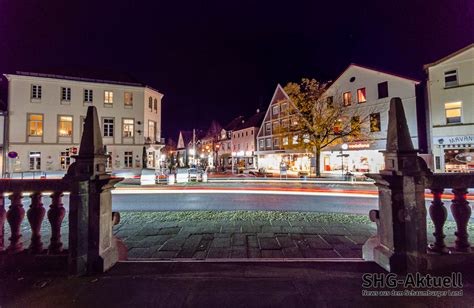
294,163
454,153
353,157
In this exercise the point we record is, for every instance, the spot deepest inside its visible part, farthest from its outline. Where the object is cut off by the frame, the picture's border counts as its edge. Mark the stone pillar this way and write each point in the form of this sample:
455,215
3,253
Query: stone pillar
401,242
90,232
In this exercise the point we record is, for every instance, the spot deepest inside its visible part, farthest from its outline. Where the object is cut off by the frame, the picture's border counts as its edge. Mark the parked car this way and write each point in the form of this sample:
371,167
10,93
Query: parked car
195,174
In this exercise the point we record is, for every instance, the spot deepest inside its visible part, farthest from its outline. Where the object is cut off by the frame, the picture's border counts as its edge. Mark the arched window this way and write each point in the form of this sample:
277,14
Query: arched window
156,105
150,103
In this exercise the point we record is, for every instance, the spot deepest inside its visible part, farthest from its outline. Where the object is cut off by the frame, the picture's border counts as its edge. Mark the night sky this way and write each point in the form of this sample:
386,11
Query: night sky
220,59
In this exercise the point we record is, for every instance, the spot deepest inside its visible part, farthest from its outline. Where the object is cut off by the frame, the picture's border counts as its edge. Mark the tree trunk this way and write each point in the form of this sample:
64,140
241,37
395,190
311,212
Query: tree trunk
317,156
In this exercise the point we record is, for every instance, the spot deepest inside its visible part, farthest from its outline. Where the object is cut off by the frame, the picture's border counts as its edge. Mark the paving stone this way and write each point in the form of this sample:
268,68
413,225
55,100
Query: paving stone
267,234
313,242
212,228
200,255
169,254
222,235
268,243
207,236
152,241
231,229
140,252
358,239
146,231
220,242
350,253
285,241
170,230
332,230
254,253
190,246
281,223
238,252
173,244
204,244
339,241
239,239
292,229
271,229
218,253
248,228
272,253
314,230
292,252
252,241
319,253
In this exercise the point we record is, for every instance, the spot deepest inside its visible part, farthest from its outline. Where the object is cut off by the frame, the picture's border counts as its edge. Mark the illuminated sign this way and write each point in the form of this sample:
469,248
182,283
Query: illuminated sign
356,146
467,139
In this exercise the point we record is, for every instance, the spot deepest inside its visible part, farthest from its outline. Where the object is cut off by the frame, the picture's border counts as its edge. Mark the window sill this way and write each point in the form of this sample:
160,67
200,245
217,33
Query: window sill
65,102
108,105
36,100
128,106
88,103
458,86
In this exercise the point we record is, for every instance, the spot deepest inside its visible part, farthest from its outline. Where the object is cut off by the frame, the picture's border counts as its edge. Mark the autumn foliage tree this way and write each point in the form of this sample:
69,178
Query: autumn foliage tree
323,120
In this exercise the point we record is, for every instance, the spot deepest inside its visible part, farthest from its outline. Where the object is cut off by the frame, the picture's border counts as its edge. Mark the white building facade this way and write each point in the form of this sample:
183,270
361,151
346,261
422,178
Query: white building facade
46,113
366,93
451,111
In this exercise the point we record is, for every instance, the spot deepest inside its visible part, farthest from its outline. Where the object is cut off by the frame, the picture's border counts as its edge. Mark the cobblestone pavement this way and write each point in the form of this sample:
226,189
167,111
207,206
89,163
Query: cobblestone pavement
256,239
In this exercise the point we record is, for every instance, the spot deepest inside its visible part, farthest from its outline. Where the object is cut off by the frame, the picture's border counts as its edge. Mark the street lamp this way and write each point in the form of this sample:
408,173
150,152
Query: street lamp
344,147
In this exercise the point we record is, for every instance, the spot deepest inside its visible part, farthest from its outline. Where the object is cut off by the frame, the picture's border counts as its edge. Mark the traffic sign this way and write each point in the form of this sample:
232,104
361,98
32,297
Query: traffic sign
12,154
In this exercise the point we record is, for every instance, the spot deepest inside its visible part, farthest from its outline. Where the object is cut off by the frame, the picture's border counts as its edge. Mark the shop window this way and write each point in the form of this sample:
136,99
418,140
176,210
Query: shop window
35,161
375,122
65,126
128,159
347,97
35,124
361,98
383,89
451,78
459,160
453,112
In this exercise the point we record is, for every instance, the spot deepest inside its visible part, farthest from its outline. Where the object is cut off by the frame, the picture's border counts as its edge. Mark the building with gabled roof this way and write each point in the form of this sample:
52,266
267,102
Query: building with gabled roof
244,141
450,89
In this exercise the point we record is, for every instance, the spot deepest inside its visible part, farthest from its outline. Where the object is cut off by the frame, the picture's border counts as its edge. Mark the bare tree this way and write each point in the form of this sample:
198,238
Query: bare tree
325,119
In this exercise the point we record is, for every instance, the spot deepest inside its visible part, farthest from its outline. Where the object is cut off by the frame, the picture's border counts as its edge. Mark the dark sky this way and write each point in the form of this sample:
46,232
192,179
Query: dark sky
221,59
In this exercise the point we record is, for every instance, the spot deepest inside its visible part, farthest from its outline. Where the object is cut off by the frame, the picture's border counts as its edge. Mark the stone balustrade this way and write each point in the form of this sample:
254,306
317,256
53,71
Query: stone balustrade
458,183
17,191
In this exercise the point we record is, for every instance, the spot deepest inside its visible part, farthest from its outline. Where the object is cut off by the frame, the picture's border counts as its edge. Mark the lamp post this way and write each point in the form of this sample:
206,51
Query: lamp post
344,147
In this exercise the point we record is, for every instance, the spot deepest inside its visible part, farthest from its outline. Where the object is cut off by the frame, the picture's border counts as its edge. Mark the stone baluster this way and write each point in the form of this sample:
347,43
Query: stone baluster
56,214
461,212
15,216
3,215
438,214
35,216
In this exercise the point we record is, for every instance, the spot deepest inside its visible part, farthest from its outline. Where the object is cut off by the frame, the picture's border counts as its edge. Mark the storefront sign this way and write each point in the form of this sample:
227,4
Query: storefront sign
357,146
466,139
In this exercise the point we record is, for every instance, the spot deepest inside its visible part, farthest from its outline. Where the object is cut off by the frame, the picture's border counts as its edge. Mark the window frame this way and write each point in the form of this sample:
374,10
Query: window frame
375,115
128,159
380,87
108,98
360,90
347,102
29,120
36,92
59,126
88,96
128,103
446,109
108,130
451,73
131,132
66,94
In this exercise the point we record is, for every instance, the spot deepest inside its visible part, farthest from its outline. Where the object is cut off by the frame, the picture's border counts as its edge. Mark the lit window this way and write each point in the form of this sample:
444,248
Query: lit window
275,110
35,125
108,97
128,99
65,126
295,139
66,94
128,159
451,78
306,138
36,91
285,140
347,97
88,96
383,89
35,160
276,126
361,98
108,127
294,122
65,160
453,112
375,122
285,123
128,128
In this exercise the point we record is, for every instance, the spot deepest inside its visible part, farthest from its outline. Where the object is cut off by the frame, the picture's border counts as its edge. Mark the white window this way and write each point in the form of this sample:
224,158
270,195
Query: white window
108,127
35,125
36,91
262,144
35,160
66,94
275,109
155,105
65,160
285,140
284,107
65,126
268,142
453,112
88,96
128,128
451,78
295,139
268,128
152,130
128,99
128,159
150,103
108,97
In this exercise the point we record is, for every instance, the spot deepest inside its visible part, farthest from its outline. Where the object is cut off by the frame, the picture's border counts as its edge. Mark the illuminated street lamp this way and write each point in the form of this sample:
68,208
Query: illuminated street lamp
344,147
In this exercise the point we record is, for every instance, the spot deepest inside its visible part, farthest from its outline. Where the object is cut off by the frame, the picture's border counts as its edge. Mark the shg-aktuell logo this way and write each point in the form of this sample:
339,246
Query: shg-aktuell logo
411,280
